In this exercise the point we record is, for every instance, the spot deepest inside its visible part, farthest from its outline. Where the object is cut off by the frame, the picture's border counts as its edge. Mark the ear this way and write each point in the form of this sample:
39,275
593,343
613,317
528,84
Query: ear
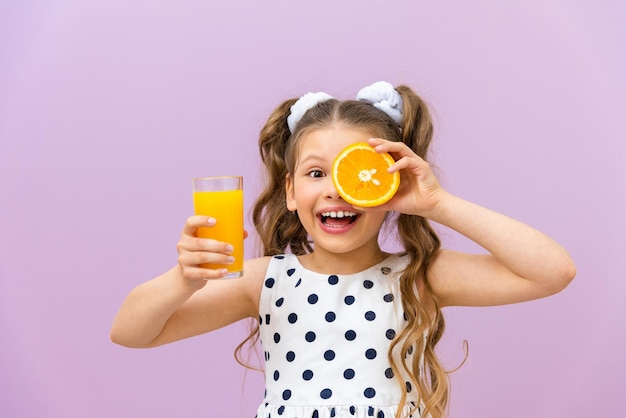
289,192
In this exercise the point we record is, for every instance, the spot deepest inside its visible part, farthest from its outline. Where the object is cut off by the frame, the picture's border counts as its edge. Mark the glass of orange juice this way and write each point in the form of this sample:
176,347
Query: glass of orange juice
222,199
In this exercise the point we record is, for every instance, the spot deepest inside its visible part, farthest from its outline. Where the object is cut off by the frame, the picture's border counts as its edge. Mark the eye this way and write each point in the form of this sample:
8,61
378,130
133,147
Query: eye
315,173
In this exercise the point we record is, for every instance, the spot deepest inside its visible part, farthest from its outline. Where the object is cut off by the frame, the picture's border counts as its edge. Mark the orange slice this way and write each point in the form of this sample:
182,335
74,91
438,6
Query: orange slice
361,178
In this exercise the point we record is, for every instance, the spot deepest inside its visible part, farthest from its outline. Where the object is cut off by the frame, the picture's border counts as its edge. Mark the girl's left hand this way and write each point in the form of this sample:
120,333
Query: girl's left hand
419,192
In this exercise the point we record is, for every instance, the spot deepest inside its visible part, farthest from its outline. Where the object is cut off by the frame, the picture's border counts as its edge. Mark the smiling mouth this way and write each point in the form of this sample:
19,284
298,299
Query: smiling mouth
338,218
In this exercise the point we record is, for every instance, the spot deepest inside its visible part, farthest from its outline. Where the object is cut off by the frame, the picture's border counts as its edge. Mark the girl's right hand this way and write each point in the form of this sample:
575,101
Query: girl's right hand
193,251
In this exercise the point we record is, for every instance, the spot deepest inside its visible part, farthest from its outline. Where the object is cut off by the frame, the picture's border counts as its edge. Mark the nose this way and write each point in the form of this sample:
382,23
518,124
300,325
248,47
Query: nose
330,191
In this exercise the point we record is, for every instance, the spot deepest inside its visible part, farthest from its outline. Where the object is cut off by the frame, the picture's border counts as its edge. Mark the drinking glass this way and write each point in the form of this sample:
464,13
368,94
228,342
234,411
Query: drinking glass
222,198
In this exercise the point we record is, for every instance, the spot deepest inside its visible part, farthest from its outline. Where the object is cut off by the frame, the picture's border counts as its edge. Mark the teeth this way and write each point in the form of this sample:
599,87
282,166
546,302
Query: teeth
338,214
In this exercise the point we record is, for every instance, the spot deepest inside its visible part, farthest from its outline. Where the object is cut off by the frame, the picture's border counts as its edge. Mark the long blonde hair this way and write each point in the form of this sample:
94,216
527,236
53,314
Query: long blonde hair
279,230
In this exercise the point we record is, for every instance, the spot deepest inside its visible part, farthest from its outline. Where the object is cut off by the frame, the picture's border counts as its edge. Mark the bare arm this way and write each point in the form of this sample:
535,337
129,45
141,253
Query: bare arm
522,263
188,300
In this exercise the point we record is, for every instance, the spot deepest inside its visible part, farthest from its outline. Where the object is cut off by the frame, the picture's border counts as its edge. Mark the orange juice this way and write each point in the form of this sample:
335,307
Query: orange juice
226,206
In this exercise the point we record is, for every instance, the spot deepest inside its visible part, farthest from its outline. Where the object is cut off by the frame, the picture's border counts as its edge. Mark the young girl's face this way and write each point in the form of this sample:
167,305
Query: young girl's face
332,224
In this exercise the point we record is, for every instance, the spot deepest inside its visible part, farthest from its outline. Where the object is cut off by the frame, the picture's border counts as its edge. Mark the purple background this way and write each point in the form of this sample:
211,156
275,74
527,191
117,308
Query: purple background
109,108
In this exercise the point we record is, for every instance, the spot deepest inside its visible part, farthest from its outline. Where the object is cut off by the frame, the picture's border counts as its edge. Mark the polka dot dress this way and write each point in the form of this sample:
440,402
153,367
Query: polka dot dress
326,339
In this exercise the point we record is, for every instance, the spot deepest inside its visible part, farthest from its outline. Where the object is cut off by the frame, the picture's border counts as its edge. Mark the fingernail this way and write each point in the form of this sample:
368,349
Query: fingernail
230,259
211,221
229,248
223,272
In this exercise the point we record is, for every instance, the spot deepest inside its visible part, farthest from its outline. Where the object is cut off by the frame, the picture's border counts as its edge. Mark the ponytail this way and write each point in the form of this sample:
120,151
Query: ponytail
417,126
421,242
277,228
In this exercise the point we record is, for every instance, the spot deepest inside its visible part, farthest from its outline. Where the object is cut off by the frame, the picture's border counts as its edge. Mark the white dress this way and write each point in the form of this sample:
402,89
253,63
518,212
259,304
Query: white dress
325,339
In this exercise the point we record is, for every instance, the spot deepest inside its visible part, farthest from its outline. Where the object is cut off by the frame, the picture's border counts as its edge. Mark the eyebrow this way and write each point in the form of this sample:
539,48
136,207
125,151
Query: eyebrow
314,157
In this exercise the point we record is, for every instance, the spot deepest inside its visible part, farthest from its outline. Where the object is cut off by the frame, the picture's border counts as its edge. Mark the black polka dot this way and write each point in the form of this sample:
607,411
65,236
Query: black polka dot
333,279
281,410
390,334
381,414
286,394
385,270
348,373
276,337
310,336
368,284
350,335
312,299
267,356
370,411
330,316
388,297
315,414
389,373
291,356
329,355
290,272
298,283
349,300
370,353
269,283
410,351
292,318
370,316
326,393
276,375
279,302
352,410
369,393
409,387
260,320
267,319
307,375
279,257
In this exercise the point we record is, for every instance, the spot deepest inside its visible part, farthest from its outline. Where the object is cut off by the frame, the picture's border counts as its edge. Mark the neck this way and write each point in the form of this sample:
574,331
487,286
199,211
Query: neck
322,261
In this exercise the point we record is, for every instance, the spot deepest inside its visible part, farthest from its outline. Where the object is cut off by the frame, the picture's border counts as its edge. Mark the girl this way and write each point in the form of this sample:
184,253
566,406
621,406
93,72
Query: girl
347,329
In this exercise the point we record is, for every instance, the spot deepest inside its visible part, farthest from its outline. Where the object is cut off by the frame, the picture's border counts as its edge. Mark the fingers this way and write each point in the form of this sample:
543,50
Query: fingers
405,157
196,244
396,149
195,222
412,164
383,145
194,251
204,250
419,188
200,273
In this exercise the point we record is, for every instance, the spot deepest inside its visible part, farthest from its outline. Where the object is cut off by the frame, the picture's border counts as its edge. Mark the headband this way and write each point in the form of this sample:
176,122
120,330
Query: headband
382,95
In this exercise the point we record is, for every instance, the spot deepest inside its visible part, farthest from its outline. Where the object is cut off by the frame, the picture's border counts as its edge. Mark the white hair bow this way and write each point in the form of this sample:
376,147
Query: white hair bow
303,104
382,95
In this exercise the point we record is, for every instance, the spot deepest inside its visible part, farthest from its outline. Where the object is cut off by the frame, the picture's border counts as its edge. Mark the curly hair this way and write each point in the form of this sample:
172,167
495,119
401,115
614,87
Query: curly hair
280,231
